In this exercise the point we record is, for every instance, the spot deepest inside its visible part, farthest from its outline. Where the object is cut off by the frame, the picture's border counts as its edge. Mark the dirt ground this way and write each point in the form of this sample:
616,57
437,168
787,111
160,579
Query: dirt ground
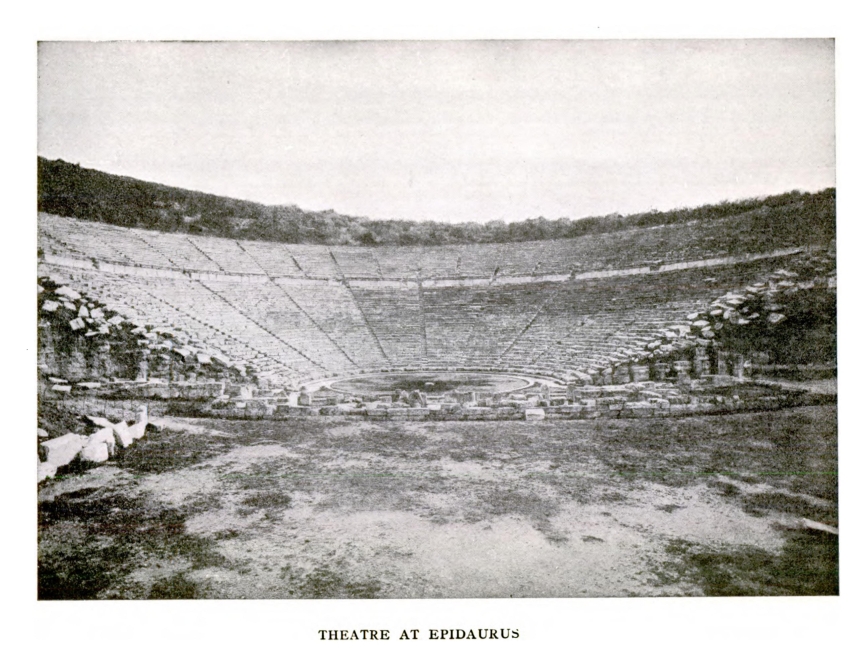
345,508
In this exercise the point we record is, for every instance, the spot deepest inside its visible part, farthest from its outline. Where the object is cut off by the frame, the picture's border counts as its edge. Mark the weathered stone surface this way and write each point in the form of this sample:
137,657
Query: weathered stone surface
738,366
104,435
61,450
137,430
102,422
122,434
534,414
822,527
203,358
639,373
65,291
95,451
45,471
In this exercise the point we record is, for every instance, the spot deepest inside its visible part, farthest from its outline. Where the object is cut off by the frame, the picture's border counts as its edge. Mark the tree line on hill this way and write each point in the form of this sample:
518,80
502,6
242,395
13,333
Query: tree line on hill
67,189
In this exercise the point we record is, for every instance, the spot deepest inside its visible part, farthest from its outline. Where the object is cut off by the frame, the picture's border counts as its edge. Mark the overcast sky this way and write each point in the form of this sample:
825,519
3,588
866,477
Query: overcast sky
450,131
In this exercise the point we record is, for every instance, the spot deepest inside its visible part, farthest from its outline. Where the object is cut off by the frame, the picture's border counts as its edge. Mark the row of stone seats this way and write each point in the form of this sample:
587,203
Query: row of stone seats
594,323
315,261
332,306
478,322
395,317
357,262
315,327
274,259
207,303
227,254
178,249
189,306
100,241
270,308
616,250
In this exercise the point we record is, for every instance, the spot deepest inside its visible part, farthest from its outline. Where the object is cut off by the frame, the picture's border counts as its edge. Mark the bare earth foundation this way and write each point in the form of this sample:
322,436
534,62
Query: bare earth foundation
334,509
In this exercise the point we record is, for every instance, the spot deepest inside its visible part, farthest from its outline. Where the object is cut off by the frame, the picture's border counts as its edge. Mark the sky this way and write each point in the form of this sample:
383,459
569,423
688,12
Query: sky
452,130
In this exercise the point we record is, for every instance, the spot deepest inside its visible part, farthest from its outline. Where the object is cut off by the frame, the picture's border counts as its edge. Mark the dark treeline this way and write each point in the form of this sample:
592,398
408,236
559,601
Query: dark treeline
68,190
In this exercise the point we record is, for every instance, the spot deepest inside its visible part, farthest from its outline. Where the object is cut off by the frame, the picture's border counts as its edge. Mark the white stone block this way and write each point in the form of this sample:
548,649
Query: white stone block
105,435
122,434
534,414
95,451
67,292
45,471
61,450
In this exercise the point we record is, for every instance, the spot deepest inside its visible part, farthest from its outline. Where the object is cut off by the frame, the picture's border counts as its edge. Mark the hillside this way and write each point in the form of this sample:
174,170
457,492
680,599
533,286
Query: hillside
69,190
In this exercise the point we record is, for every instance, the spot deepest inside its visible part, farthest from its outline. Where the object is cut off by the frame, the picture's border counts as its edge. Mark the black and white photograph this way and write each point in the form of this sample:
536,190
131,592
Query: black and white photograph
449,319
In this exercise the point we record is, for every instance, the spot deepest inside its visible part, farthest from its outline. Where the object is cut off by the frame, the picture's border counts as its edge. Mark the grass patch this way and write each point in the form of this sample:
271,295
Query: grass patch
165,450
325,583
175,587
807,566
761,504
114,535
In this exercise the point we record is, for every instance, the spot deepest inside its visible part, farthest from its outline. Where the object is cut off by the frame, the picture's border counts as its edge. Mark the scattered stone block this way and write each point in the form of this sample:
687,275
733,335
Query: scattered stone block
65,388
122,434
41,432
534,414
45,471
83,312
822,527
95,451
65,291
102,422
61,450
76,324
50,305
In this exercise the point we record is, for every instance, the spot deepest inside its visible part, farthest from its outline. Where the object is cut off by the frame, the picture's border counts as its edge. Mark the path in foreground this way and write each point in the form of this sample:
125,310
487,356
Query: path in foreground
345,508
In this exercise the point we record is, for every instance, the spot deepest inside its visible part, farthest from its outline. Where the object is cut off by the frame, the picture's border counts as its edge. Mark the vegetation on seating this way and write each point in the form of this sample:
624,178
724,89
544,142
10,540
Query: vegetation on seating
69,190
